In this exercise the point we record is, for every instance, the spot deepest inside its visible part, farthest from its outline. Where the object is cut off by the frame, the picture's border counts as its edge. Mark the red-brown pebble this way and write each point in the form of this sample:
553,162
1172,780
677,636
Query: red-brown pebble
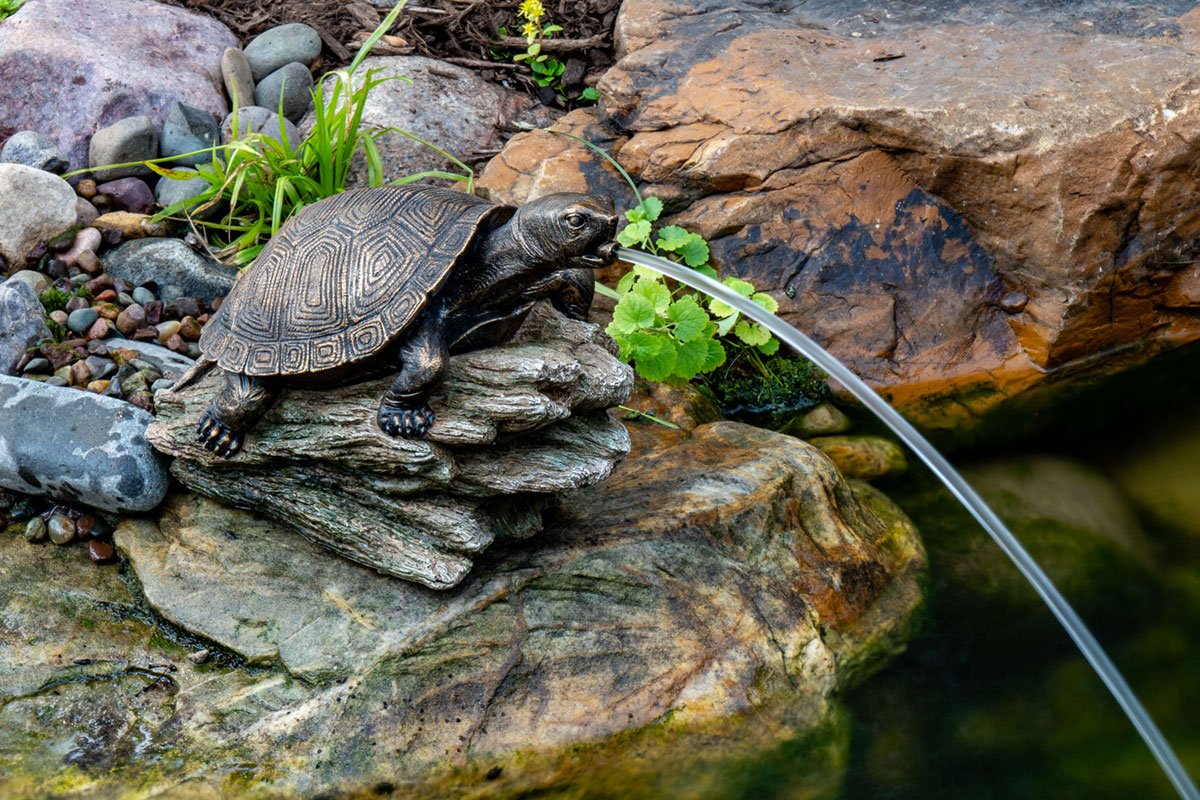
84,525
80,374
175,342
101,329
100,284
133,318
101,551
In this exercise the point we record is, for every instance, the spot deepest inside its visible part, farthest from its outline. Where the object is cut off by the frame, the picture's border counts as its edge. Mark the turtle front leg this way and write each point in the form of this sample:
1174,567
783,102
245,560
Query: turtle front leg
569,290
404,410
233,411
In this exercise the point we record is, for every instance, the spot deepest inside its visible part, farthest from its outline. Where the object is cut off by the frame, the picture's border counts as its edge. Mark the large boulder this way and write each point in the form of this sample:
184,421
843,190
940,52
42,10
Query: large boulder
515,425
446,105
72,67
958,199
677,628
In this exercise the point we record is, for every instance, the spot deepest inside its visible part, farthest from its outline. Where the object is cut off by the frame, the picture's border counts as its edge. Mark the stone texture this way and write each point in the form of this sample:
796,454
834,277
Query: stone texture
34,206
172,365
291,84
22,323
892,178
169,191
176,269
73,66
125,141
239,81
653,644
282,45
77,447
515,425
35,150
128,194
445,105
187,130
252,119
865,457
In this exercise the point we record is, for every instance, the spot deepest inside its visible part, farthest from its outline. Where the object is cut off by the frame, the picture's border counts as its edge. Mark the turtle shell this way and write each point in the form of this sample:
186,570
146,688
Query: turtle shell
342,279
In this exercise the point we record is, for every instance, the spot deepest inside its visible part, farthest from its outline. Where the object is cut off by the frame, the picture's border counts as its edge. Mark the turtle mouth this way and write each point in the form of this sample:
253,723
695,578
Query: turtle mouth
602,257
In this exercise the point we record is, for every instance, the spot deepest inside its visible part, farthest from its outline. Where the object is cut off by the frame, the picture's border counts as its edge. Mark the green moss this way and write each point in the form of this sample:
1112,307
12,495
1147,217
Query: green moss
790,385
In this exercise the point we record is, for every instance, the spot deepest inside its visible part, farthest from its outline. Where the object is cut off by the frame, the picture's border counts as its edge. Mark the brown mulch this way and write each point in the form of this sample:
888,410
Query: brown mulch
465,32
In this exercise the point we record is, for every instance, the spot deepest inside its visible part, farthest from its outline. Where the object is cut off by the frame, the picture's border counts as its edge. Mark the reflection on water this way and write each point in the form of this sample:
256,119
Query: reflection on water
991,700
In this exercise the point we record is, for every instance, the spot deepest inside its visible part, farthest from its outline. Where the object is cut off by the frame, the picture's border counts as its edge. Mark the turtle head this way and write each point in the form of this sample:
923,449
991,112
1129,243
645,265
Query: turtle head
566,228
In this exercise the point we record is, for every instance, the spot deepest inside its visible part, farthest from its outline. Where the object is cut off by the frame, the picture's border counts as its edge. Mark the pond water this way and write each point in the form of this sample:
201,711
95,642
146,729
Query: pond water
992,700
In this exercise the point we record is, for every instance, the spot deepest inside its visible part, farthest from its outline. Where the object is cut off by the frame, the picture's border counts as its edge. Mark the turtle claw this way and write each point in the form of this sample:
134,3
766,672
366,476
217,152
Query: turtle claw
218,437
405,421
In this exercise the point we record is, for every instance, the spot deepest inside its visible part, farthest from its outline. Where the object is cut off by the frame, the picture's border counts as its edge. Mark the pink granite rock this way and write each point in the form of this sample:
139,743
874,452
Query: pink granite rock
71,67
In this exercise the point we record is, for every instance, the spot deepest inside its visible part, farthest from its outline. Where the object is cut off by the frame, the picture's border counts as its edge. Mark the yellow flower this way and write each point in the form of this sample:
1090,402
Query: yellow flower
531,10
530,29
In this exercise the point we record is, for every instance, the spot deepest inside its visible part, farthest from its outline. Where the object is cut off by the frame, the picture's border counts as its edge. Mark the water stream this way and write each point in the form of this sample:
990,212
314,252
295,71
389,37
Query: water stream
958,486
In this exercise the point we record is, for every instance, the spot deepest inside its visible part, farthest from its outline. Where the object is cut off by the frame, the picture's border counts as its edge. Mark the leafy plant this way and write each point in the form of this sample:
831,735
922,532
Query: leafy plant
258,181
670,333
9,7
545,68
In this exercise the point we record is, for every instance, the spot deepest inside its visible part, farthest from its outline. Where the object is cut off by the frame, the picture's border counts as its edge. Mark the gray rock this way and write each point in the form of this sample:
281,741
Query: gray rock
130,139
35,530
253,119
77,447
168,363
292,84
85,212
34,206
176,269
142,295
239,80
34,280
281,45
187,130
445,104
170,191
71,66
515,425
38,365
129,194
35,150
22,323
81,319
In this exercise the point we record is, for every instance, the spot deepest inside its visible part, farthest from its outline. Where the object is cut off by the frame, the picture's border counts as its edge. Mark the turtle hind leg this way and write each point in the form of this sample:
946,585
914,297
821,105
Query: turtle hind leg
233,411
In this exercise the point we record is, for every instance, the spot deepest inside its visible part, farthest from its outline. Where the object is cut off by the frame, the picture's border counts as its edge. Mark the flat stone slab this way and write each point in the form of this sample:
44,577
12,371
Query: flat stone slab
77,447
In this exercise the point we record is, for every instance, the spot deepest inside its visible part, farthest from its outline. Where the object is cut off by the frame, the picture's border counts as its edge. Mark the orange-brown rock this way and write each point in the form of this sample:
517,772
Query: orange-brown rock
959,200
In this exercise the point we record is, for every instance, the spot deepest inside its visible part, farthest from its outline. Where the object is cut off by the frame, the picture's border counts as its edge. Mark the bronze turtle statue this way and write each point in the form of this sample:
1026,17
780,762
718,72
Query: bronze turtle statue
393,280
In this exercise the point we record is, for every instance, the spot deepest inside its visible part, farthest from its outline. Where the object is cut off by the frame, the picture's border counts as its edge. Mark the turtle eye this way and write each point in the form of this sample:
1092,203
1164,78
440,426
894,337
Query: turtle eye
575,221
